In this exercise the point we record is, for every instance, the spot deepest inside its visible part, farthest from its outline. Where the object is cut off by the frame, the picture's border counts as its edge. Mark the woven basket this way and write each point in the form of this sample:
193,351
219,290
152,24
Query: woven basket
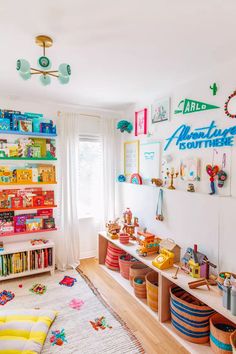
112,257
140,289
152,290
137,269
233,341
189,316
220,339
124,239
125,263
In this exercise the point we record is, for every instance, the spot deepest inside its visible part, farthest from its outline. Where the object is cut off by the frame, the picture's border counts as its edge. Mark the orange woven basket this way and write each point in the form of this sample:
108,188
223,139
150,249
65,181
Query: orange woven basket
233,341
220,334
140,289
112,257
152,290
125,262
137,269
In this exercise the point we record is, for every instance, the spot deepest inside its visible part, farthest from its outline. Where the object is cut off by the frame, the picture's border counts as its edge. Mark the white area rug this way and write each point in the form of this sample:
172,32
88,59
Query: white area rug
81,336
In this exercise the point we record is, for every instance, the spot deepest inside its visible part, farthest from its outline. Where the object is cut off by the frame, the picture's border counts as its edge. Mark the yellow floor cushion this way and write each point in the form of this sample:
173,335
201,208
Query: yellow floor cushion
24,331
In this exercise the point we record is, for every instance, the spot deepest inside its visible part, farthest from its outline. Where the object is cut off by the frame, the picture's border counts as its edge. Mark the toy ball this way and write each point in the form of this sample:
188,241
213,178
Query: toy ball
139,281
121,178
125,126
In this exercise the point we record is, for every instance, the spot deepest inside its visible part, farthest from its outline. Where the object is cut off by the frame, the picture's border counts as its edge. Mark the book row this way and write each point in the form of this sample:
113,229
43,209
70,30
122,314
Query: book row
26,198
25,122
19,262
30,174
42,220
28,148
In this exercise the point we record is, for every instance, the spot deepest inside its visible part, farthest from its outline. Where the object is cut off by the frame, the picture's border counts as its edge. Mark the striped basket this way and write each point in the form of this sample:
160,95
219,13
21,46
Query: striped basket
152,290
112,257
140,289
124,239
125,262
189,316
220,339
136,269
233,341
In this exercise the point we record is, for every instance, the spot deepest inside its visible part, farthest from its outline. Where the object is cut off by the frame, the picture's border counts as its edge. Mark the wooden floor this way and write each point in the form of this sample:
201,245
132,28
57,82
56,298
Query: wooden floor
152,336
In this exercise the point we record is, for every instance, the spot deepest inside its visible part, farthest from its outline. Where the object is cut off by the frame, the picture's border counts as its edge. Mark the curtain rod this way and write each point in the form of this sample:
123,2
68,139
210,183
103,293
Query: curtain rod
82,114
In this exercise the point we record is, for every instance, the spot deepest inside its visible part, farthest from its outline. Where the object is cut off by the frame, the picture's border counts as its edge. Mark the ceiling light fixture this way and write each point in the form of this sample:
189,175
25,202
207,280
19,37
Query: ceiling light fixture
44,63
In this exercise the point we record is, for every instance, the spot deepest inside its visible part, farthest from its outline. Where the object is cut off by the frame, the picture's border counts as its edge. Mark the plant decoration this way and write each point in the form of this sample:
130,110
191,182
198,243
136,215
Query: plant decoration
214,89
125,126
58,337
227,104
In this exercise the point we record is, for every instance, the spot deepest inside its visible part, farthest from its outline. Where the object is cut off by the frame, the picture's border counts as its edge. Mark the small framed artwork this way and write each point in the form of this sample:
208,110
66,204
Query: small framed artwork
190,169
161,110
150,160
131,157
141,122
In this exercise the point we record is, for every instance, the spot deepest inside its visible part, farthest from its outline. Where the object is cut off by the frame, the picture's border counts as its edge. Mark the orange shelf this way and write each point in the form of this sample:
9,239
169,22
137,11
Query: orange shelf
25,184
31,208
26,232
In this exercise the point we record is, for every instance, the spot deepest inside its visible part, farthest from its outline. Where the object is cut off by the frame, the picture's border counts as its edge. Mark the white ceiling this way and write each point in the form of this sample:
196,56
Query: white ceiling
120,51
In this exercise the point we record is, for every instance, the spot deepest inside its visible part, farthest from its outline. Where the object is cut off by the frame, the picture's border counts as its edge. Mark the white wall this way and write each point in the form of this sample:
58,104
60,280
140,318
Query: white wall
190,218
90,124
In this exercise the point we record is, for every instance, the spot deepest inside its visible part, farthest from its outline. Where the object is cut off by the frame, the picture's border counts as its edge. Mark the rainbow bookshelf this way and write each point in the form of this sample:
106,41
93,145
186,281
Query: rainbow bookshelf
27,200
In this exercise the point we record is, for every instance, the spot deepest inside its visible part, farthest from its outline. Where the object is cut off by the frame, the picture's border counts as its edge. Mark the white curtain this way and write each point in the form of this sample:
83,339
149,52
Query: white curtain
67,251
109,168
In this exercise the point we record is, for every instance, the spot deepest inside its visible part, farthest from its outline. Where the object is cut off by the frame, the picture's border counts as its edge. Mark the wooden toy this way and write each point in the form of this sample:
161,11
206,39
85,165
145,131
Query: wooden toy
171,246
164,260
129,226
191,188
197,263
148,244
175,276
157,181
172,174
113,229
196,283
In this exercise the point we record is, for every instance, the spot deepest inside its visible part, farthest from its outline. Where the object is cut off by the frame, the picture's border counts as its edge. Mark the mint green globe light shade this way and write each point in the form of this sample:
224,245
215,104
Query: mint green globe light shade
64,69
45,80
25,76
22,65
44,63
63,79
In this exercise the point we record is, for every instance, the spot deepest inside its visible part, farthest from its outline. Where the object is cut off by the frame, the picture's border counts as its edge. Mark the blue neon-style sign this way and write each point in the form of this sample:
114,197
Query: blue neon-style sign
205,137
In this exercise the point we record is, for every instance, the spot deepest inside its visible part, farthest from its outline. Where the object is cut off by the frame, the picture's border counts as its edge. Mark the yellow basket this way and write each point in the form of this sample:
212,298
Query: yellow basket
152,290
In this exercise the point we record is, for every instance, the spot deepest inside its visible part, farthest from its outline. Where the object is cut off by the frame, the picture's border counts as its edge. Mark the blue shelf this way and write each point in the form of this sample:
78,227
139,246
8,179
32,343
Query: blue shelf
17,132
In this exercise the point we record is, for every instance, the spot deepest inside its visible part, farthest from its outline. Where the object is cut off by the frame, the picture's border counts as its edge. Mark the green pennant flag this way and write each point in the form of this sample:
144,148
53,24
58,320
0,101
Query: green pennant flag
190,106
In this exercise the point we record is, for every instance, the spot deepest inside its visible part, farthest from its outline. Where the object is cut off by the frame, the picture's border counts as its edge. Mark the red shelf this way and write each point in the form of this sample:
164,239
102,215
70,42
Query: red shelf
5,234
31,208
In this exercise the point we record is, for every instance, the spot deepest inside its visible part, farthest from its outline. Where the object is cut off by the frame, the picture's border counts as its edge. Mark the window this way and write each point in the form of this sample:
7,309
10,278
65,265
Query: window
90,176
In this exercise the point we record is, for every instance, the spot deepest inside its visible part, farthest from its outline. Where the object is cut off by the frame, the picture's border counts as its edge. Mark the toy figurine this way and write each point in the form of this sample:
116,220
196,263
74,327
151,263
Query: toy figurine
128,216
172,174
212,171
197,263
191,188
129,226
113,229
148,243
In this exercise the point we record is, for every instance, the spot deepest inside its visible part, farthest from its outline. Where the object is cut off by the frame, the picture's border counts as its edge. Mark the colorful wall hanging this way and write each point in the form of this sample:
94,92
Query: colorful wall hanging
161,110
227,104
205,137
214,89
131,157
150,154
124,126
136,179
188,106
212,171
141,122
190,169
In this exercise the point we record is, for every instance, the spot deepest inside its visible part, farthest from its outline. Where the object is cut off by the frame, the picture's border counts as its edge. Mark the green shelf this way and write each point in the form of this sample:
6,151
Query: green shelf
29,158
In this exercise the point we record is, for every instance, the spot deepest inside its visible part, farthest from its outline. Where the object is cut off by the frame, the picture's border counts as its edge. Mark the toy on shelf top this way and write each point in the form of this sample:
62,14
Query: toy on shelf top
28,148
129,223
197,263
30,174
148,243
15,121
113,229
170,245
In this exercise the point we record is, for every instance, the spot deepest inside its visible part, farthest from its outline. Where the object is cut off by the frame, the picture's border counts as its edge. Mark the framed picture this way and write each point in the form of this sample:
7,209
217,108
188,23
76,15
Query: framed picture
150,160
190,169
161,110
131,157
141,122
